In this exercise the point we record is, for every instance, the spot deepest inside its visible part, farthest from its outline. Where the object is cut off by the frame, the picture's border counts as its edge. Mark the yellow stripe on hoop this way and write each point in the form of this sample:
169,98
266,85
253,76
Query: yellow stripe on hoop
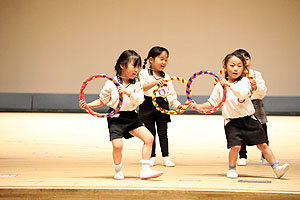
170,112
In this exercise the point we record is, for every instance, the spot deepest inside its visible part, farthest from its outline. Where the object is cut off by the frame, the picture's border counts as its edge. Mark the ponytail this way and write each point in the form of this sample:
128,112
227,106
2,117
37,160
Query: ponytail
145,63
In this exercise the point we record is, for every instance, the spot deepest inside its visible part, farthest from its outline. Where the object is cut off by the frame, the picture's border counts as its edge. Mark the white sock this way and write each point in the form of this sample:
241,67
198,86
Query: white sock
118,168
145,164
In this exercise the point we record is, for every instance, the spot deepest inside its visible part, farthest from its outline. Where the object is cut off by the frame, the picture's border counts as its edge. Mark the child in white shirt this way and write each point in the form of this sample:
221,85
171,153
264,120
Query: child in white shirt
241,126
126,123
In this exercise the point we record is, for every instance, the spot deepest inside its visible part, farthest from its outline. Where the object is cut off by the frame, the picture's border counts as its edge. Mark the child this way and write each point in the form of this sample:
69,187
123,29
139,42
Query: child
126,123
166,96
259,92
241,126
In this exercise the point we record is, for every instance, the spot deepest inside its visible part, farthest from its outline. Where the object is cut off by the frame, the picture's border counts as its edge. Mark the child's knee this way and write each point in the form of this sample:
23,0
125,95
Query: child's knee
149,139
262,146
118,147
235,148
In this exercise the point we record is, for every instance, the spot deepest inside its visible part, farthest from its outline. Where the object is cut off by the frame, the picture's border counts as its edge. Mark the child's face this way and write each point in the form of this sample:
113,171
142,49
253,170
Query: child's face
130,71
159,62
248,62
234,68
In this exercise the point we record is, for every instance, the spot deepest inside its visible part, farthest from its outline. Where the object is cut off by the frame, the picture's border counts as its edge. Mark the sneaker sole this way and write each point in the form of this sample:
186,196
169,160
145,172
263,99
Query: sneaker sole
232,176
119,179
153,176
169,165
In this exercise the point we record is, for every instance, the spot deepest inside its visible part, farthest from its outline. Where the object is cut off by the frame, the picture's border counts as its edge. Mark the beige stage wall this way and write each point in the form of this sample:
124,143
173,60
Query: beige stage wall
51,46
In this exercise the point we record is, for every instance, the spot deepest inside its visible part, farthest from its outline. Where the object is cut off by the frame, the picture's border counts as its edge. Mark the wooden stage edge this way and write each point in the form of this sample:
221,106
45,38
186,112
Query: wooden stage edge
66,193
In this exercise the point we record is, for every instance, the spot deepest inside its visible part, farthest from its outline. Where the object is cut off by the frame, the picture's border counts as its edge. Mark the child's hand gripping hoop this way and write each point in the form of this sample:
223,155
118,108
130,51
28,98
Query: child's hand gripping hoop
189,93
247,74
251,88
219,73
89,110
170,112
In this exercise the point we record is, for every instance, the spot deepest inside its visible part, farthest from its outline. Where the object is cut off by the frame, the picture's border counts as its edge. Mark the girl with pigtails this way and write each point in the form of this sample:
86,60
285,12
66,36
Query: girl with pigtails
166,97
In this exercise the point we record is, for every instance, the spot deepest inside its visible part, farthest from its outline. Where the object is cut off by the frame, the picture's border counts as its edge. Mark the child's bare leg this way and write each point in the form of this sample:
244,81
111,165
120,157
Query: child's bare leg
117,158
267,152
145,135
117,150
233,155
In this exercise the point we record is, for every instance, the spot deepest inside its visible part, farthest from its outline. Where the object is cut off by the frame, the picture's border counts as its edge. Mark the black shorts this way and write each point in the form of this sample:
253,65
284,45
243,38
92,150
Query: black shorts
149,114
120,126
244,130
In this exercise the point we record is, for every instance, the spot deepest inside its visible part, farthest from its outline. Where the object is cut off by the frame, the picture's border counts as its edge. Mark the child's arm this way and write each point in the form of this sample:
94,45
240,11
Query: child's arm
147,82
124,91
150,85
94,104
172,97
214,99
260,87
205,105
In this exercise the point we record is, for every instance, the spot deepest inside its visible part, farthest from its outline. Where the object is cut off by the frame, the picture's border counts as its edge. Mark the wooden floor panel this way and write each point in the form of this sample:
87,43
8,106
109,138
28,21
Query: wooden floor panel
46,154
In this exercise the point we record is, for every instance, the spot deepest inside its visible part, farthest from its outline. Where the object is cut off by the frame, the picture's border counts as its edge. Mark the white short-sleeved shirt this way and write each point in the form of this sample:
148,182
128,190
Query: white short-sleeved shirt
109,95
167,92
238,103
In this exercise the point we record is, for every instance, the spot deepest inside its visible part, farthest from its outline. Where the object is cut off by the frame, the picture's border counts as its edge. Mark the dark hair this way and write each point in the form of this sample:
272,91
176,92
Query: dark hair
153,53
243,52
238,55
124,59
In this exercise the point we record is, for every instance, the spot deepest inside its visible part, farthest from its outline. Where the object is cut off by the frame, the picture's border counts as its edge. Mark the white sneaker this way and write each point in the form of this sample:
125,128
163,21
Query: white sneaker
232,173
281,170
242,162
149,173
167,162
152,161
119,176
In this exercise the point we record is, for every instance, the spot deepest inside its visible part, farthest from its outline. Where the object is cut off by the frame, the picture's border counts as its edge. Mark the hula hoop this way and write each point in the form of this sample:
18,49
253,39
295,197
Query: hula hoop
219,73
88,109
170,112
247,74
189,93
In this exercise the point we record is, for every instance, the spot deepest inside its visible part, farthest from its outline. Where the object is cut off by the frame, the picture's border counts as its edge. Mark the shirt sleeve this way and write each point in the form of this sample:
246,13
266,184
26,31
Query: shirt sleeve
261,90
105,93
143,76
215,97
172,96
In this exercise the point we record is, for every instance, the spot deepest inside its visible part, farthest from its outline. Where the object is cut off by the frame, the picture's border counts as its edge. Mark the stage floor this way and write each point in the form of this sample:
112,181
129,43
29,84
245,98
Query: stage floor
73,151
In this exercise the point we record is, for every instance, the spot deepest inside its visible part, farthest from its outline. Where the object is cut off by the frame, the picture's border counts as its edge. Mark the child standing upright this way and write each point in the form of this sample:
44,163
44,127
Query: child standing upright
126,123
166,97
259,93
241,126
